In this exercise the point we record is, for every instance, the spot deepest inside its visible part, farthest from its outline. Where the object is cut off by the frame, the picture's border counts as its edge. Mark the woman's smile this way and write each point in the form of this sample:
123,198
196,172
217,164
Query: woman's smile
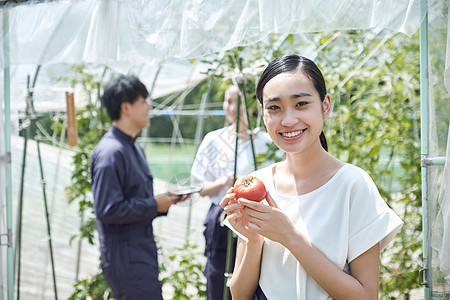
292,135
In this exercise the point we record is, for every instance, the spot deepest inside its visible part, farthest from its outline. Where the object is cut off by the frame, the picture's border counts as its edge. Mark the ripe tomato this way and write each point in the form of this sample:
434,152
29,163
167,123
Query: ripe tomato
250,187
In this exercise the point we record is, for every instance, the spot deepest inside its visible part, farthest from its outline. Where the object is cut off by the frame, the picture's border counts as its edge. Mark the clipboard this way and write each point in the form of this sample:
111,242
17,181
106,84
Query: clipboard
187,190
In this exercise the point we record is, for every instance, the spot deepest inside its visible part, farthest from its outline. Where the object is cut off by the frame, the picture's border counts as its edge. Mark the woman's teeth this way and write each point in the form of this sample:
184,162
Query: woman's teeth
292,134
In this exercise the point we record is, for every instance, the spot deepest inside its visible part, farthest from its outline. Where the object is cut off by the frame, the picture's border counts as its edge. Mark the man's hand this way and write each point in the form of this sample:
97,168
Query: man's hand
165,200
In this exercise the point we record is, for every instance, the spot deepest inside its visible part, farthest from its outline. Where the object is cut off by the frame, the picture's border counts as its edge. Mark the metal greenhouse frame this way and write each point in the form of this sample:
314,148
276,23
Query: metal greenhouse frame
428,159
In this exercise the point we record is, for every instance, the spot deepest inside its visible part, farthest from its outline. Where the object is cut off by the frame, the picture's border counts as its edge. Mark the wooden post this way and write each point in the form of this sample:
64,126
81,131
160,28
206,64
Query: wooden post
72,131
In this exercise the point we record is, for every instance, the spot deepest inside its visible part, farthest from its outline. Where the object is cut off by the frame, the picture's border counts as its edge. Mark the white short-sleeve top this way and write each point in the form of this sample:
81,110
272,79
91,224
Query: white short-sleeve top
343,218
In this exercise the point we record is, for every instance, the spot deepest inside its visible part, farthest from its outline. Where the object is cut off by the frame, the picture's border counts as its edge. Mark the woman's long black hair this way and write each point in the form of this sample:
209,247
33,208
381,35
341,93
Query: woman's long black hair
289,64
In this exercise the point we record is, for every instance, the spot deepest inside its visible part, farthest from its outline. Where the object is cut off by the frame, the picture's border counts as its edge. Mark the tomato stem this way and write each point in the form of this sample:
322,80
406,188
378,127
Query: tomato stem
248,182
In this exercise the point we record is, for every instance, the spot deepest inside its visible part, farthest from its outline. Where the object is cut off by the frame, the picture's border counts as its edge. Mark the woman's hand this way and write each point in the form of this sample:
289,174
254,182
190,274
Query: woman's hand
237,217
267,220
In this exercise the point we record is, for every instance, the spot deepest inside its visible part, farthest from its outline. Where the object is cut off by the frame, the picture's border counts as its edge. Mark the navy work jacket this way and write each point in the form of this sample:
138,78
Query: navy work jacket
125,207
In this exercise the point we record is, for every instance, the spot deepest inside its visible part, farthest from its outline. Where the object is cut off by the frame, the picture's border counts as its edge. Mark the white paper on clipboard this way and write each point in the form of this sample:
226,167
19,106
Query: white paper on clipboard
187,190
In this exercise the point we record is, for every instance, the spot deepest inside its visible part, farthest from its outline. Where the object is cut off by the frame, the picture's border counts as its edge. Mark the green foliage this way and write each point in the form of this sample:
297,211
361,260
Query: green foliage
92,123
376,126
91,287
272,154
182,271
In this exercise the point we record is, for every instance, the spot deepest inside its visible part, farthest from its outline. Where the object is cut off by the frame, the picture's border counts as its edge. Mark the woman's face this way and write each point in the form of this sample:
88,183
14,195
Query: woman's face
293,112
230,104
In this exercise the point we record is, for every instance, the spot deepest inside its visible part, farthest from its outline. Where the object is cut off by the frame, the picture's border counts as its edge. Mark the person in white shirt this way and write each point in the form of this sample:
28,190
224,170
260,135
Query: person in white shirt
319,231
213,169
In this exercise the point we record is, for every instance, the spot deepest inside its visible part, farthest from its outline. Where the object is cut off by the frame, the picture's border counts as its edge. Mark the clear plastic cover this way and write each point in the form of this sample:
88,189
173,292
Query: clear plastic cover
126,32
439,146
139,36
2,195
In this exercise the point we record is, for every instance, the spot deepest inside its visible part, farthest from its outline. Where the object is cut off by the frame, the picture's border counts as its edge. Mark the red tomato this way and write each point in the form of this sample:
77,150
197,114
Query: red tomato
251,188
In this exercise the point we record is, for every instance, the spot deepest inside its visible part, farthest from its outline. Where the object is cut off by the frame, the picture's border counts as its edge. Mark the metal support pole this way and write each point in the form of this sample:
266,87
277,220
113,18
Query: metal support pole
31,129
80,243
7,129
27,126
18,256
424,133
47,217
433,161
248,118
230,240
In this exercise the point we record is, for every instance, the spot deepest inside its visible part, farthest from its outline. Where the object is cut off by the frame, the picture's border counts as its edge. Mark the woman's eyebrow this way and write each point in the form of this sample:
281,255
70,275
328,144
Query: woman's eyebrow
301,94
294,96
275,99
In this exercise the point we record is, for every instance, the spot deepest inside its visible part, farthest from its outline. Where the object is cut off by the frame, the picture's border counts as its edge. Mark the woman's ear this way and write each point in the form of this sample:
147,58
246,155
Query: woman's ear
262,109
326,106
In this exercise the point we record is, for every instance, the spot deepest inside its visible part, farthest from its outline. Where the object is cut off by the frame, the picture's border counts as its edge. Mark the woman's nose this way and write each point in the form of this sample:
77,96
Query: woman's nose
289,118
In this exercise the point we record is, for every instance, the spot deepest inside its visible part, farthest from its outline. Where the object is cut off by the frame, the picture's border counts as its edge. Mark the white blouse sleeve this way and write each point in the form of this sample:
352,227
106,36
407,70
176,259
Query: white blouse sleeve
371,220
201,170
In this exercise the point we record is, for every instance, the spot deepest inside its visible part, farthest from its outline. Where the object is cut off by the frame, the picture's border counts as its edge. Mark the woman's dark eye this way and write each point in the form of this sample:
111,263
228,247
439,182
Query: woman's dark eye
272,107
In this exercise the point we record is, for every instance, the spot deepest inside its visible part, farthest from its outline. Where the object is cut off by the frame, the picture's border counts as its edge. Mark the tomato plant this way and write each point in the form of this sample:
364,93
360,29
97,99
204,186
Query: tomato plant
250,187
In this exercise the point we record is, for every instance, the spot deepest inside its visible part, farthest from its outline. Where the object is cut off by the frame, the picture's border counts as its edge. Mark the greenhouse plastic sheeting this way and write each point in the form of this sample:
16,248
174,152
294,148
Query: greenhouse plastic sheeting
138,36
2,196
438,204
128,35
128,32
441,228
49,92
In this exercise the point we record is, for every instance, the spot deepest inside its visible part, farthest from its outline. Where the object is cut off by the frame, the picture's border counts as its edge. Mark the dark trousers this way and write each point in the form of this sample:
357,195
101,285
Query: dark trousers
259,294
216,238
131,270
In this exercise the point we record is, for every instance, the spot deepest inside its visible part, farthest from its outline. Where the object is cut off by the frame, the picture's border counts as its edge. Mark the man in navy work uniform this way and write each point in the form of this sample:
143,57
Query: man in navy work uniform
122,186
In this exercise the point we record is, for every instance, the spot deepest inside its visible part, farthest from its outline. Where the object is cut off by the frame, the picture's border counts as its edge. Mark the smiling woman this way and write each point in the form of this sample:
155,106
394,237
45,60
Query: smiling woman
294,111
319,232
312,85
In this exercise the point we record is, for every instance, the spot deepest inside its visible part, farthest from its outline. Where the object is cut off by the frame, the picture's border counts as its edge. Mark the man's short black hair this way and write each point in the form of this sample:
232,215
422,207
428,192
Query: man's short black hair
124,88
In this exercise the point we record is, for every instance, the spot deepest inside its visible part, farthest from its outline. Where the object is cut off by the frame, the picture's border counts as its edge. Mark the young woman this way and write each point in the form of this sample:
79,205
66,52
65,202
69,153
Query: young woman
320,230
